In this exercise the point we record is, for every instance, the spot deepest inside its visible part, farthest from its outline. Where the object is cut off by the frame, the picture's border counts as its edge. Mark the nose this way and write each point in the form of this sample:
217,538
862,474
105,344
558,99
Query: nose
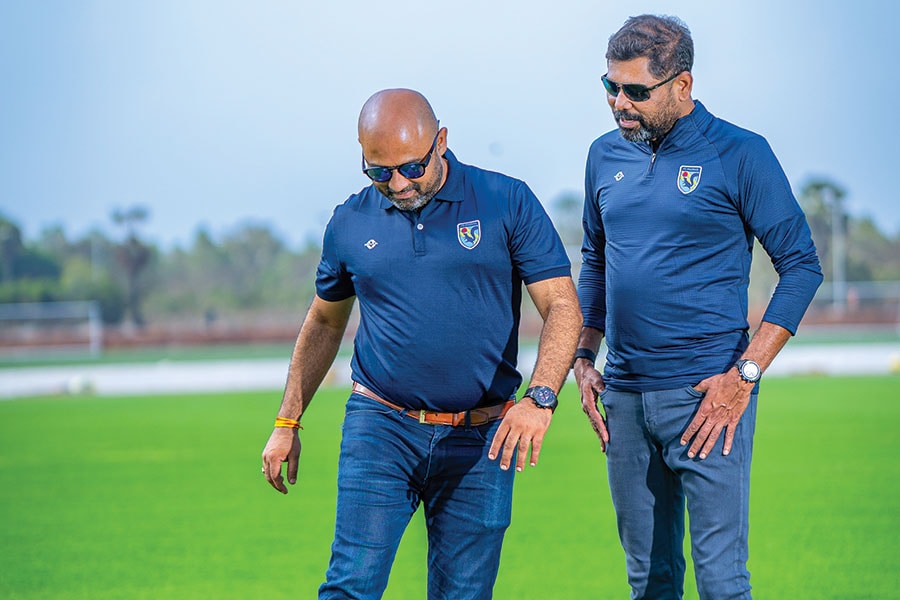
621,101
397,182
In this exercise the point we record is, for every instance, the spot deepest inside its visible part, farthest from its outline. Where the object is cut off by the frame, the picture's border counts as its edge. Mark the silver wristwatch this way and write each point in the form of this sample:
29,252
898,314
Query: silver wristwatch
748,370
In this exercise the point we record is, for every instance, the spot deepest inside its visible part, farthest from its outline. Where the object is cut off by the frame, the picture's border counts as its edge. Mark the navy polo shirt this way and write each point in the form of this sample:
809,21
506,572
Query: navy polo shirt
440,290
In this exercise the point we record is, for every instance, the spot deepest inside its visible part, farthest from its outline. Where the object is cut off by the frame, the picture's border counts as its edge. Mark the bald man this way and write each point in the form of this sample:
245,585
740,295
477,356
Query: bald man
436,251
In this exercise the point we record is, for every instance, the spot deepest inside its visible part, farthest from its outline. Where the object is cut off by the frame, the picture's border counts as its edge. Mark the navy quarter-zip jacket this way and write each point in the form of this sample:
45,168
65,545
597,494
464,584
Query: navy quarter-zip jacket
667,249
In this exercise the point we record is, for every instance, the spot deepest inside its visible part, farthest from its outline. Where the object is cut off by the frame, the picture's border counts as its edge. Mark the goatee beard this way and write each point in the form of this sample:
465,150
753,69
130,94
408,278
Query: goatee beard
421,198
647,131
410,204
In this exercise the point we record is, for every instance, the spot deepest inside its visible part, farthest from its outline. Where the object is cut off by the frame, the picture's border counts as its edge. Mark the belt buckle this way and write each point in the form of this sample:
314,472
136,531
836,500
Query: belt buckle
422,416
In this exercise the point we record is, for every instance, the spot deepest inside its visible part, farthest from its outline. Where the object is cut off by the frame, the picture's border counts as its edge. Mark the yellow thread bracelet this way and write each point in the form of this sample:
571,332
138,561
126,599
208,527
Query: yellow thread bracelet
286,422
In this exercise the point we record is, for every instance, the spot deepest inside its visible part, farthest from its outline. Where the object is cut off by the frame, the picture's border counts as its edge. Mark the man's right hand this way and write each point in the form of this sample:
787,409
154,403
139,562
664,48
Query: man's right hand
590,384
283,446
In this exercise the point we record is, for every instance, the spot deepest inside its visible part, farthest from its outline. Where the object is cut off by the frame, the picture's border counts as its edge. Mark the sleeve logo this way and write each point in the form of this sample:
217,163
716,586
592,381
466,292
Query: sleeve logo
688,178
468,234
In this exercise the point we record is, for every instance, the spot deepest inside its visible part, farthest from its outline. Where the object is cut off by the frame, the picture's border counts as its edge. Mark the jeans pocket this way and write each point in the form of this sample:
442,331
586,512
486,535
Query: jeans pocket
604,398
695,393
485,432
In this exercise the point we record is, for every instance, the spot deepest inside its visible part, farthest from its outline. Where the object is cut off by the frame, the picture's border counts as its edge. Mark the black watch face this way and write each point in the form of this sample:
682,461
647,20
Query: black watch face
543,396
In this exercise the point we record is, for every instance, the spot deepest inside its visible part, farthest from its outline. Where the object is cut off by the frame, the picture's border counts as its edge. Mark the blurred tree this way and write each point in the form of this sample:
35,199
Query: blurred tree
52,241
130,218
871,255
87,270
250,271
853,244
194,280
10,248
79,281
252,250
18,261
134,257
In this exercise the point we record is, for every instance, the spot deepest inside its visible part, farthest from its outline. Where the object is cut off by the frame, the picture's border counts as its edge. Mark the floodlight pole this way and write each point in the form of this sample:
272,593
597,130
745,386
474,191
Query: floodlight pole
95,328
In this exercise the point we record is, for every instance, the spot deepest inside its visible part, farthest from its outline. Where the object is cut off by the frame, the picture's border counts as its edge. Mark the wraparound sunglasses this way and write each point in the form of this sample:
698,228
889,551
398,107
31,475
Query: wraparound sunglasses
633,91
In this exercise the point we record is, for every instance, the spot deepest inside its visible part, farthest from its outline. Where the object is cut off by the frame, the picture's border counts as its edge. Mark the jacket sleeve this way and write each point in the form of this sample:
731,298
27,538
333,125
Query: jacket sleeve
592,279
775,218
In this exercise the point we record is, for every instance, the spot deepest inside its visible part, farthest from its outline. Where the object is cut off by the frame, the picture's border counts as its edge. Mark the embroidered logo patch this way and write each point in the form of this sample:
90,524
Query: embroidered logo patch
468,234
619,176
688,178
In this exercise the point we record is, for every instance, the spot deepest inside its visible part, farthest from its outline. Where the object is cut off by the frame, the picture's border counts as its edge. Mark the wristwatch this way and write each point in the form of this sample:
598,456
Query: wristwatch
748,370
542,396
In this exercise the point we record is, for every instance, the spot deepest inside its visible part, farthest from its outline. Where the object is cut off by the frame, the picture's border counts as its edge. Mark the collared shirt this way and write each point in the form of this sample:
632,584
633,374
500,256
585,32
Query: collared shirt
440,290
667,248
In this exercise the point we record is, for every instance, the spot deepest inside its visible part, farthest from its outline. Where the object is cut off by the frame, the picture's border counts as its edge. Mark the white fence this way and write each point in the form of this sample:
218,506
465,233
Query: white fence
36,327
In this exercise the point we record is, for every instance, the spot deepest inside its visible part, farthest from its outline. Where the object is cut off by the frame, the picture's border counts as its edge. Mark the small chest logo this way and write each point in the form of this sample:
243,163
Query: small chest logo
468,234
688,178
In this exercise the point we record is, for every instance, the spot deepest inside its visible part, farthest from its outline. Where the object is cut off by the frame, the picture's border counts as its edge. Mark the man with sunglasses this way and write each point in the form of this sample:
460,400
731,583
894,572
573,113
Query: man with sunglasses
436,251
673,202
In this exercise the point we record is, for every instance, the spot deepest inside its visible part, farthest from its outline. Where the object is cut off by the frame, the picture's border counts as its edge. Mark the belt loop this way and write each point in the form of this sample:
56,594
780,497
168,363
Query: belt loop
468,420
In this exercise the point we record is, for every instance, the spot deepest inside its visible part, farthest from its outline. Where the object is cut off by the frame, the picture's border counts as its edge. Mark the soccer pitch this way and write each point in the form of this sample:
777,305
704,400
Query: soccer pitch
162,497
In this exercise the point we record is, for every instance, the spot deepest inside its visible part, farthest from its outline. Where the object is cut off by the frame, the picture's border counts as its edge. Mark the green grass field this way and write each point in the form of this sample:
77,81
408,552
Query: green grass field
162,497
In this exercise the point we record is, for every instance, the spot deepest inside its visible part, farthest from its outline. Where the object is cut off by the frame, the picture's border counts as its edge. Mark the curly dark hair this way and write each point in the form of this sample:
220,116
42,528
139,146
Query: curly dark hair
665,40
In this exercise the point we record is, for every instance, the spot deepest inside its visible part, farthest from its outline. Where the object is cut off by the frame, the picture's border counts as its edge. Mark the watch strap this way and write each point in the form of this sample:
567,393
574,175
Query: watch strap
585,353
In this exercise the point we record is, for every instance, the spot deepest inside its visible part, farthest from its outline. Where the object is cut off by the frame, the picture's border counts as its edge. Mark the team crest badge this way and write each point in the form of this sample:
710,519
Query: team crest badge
469,234
688,178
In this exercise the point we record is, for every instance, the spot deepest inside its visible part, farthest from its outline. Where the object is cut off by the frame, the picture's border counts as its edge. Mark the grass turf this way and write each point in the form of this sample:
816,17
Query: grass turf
162,496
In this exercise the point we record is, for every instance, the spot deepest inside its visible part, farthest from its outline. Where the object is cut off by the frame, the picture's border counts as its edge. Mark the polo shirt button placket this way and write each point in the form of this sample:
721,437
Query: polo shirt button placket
419,239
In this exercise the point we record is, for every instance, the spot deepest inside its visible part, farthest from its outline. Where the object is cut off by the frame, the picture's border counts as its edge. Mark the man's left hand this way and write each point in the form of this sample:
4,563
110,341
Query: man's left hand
524,425
726,396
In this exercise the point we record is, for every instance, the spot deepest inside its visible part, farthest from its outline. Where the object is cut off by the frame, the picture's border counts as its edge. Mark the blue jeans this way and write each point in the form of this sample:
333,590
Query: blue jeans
389,463
651,476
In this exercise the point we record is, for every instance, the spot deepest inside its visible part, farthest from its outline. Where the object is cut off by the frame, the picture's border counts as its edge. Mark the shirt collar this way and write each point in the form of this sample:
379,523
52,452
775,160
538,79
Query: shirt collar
453,189
687,124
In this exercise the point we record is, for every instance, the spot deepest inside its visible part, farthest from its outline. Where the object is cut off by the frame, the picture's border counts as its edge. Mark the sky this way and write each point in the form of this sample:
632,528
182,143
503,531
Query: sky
216,114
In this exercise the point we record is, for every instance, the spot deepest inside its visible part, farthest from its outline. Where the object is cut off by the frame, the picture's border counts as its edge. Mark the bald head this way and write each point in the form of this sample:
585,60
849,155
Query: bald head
397,128
399,116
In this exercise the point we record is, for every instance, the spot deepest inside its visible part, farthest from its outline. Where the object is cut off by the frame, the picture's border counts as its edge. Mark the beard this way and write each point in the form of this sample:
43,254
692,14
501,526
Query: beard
651,127
424,191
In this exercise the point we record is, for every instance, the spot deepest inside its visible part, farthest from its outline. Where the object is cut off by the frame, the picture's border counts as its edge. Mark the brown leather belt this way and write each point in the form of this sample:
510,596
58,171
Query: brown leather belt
476,416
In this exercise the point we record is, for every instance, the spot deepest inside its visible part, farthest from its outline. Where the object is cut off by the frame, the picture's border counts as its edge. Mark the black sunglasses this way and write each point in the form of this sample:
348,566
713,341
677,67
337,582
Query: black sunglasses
633,91
410,170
